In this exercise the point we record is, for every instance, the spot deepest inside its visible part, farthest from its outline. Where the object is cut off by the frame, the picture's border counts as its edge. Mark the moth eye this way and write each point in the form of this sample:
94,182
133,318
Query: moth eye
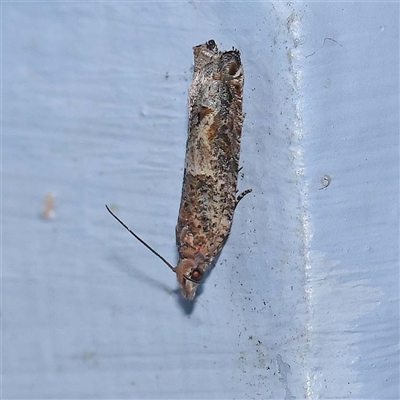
197,275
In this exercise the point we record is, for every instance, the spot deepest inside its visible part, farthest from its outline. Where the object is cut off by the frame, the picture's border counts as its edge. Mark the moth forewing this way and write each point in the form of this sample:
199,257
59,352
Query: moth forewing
210,178
212,161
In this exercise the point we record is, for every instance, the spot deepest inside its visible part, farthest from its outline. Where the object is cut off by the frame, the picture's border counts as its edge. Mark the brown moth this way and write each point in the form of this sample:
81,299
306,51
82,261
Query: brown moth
211,171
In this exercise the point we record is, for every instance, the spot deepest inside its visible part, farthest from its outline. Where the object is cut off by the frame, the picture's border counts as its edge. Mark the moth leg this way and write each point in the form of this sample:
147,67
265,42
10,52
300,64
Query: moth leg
241,195
240,168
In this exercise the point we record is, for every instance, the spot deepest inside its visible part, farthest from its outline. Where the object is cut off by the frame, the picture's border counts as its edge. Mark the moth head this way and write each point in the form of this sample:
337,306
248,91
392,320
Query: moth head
189,274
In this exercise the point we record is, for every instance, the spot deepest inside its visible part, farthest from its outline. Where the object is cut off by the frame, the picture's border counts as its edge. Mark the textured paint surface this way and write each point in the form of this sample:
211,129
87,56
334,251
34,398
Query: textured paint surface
304,299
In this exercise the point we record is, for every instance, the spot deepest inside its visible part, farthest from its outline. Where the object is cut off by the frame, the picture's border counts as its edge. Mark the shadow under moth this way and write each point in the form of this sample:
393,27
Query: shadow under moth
209,192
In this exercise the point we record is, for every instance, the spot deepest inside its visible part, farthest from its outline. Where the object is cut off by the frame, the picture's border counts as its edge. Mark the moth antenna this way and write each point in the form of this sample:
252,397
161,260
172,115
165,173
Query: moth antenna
141,240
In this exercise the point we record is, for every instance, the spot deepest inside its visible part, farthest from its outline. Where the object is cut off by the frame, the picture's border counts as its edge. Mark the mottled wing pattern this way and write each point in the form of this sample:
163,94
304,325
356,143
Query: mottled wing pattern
212,156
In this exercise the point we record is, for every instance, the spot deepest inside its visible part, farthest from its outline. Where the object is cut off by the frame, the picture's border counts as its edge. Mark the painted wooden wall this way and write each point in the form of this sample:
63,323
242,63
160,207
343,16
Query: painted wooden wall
304,299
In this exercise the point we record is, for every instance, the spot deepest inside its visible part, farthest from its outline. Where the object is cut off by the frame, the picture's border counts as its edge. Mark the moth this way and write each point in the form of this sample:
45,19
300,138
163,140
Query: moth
209,192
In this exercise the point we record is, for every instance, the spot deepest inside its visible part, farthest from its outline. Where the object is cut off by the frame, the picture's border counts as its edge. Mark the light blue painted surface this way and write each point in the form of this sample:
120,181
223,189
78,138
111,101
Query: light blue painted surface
304,299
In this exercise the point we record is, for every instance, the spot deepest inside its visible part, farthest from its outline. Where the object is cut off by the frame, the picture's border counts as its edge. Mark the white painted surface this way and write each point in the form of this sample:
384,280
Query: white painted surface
303,301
